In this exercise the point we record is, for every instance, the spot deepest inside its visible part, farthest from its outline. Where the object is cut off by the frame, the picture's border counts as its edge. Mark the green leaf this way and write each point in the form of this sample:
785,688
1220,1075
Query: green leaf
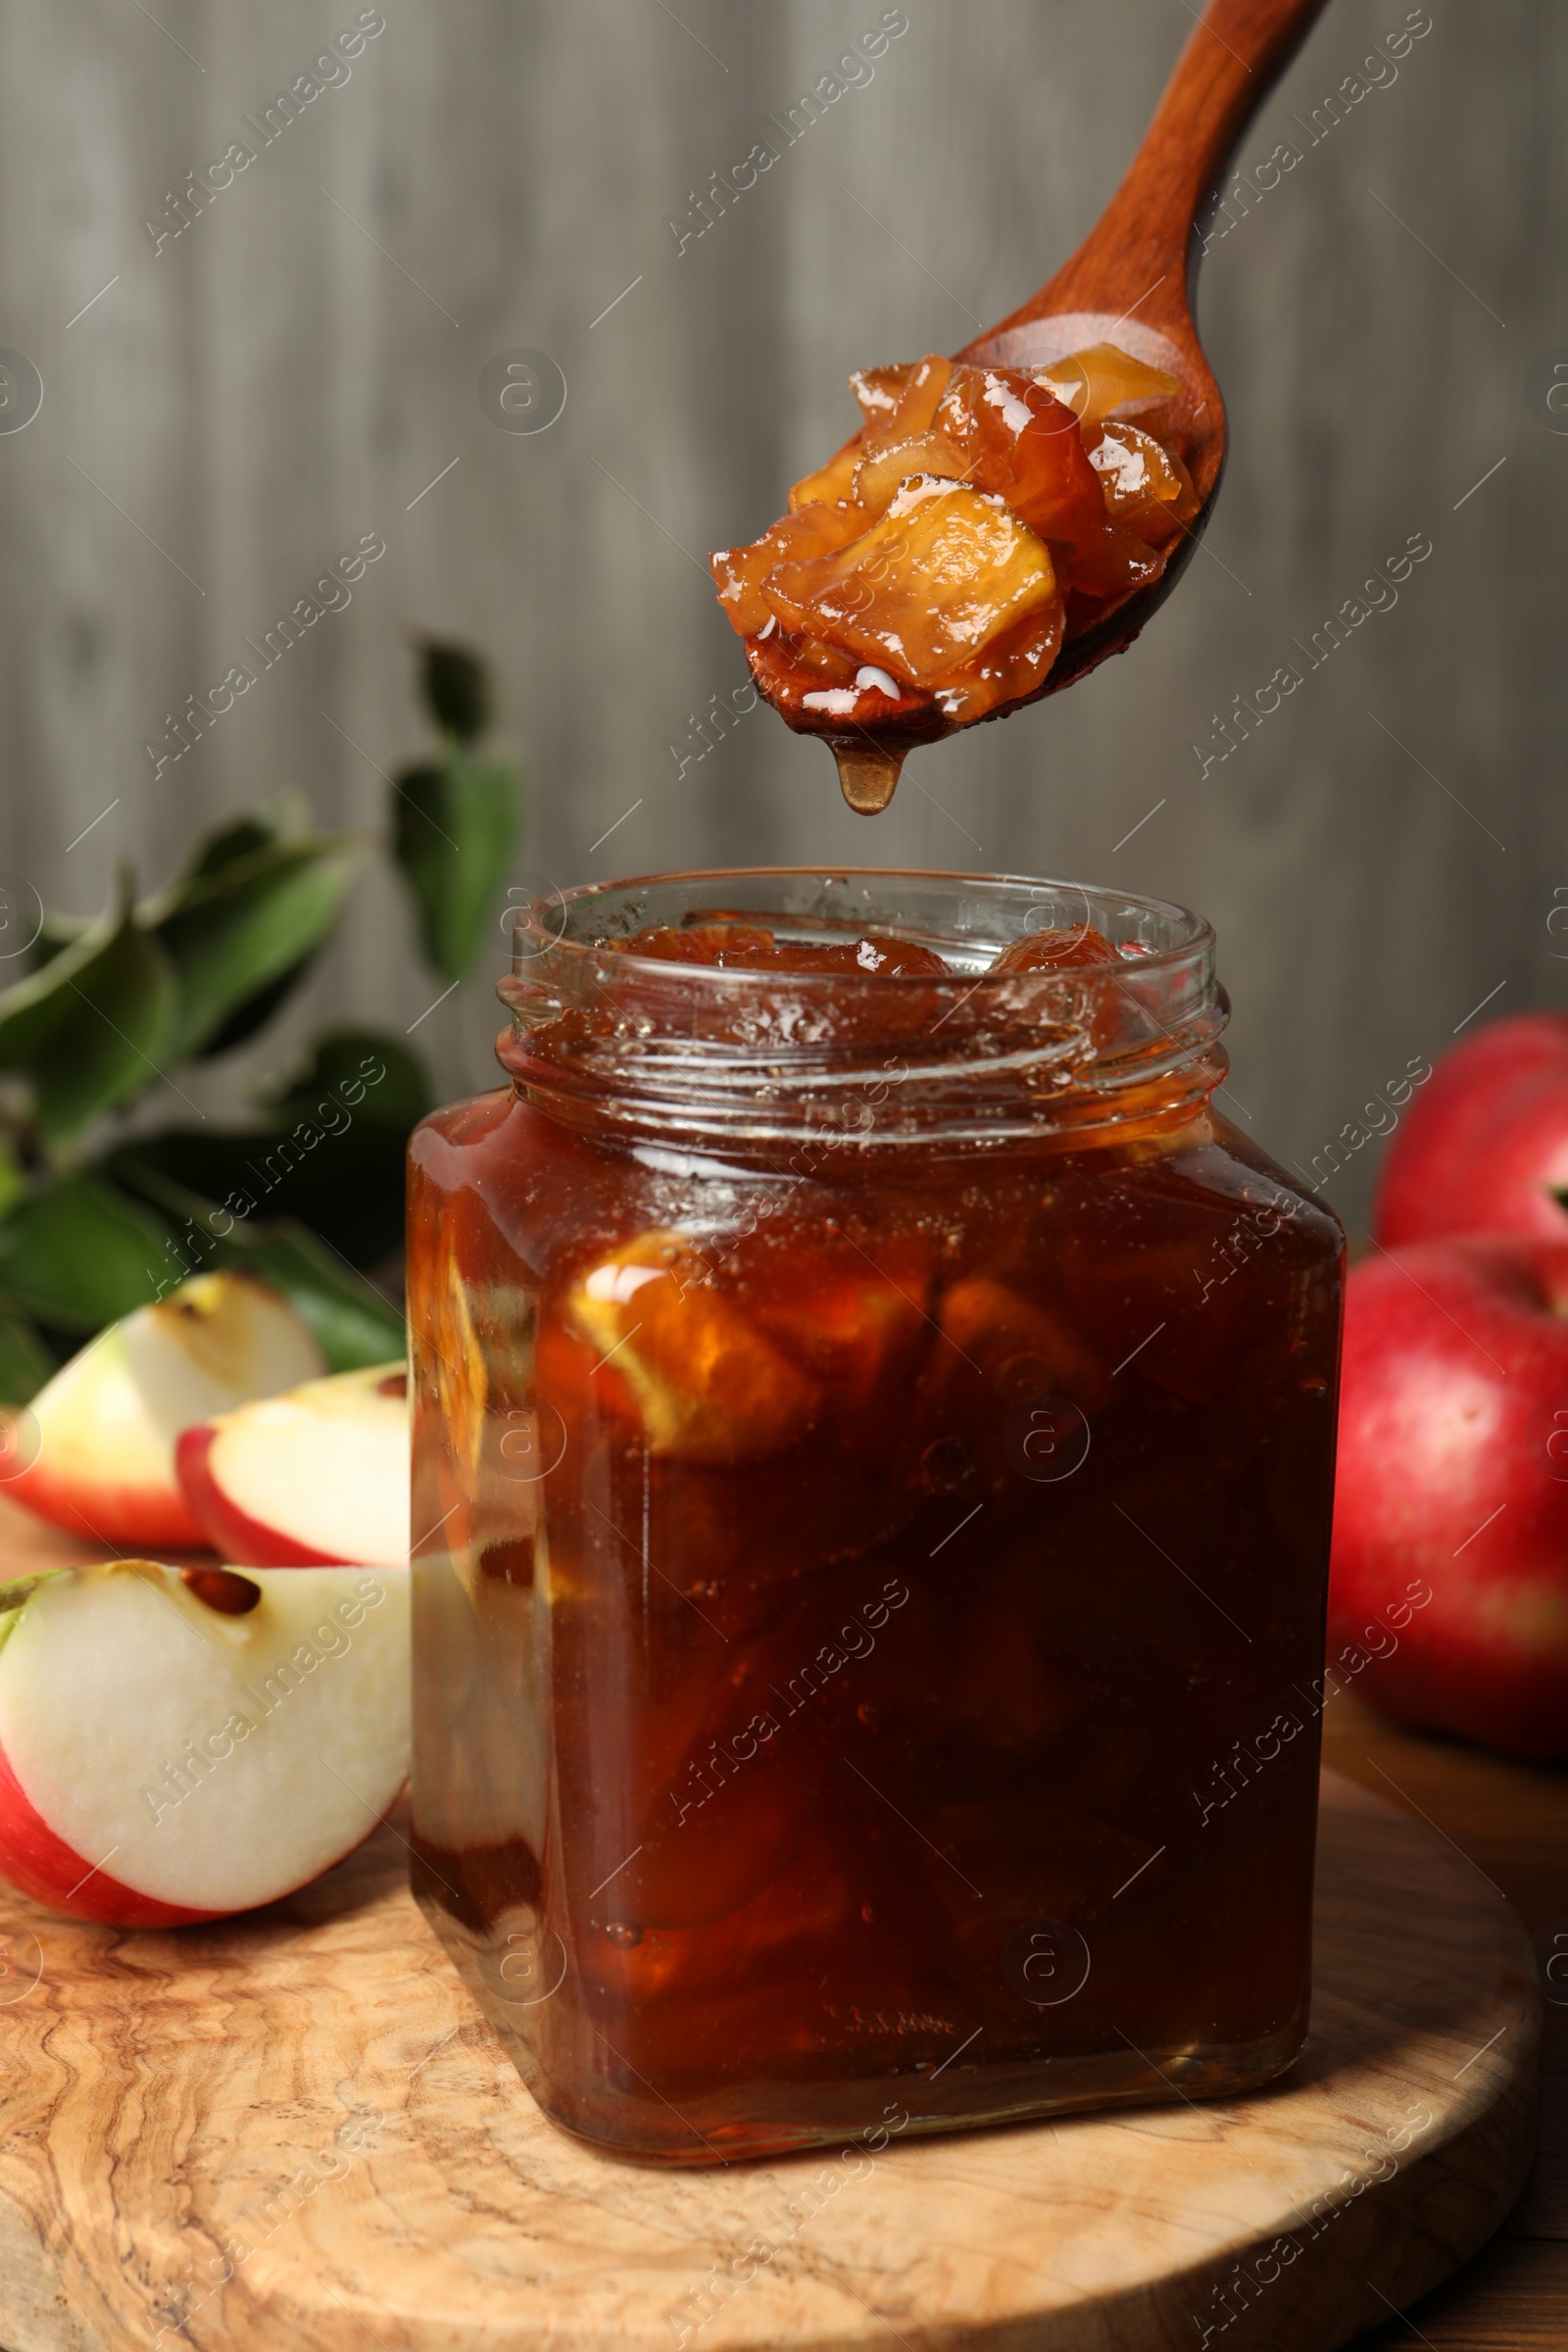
453,826
249,930
12,1182
374,1074
285,818
59,931
253,1015
456,685
330,1152
348,1189
95,1026
212,1165
227,844
26,1363
353,1322
80,1253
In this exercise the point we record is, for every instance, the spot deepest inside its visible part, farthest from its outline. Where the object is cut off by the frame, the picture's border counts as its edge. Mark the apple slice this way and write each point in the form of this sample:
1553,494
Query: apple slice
317,1479
246,1732
103,1430
704,1383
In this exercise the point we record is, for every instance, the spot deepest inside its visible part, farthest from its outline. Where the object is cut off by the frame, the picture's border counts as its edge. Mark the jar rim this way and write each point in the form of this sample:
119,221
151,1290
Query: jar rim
751,1053
544,925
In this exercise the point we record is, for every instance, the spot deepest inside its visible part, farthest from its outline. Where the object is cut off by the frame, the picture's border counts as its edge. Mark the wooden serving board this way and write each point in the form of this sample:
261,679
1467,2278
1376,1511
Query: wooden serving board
294,2130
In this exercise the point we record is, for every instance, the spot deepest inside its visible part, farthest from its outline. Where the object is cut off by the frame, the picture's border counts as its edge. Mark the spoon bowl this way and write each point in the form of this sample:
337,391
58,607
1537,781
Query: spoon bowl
1132,280
1196,425
1130,283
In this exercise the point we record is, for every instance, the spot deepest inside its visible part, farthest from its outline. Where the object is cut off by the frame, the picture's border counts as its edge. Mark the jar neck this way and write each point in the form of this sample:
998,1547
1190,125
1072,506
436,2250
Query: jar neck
756,1119
749,1062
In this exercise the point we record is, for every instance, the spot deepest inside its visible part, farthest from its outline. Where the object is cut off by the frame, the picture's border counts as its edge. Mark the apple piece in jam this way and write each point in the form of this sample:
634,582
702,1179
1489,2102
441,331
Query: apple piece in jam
702,1381
925,591
1146,485
929,573
1105,1013
752,948
853,1325
1057,950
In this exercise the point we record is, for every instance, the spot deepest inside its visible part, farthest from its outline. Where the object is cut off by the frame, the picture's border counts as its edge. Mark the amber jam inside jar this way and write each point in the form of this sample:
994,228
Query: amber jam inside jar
873,1441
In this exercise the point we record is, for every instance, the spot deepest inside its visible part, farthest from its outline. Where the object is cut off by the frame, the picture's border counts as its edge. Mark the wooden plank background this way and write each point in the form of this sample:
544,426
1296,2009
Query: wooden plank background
292,371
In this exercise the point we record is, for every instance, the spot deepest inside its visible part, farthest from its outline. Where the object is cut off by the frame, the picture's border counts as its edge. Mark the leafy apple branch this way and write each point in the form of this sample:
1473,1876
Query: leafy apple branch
97,1213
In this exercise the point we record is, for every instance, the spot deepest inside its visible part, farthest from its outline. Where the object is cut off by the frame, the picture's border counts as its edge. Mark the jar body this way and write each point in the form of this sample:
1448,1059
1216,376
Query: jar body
868,1646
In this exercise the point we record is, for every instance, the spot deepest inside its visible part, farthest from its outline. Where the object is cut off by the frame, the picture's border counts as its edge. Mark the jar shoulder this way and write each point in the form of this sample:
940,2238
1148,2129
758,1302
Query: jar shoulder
551,1194
461,1126
1230,1165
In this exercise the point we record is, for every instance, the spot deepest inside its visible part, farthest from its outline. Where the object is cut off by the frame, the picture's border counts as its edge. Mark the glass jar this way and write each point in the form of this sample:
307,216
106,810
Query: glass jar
873,1443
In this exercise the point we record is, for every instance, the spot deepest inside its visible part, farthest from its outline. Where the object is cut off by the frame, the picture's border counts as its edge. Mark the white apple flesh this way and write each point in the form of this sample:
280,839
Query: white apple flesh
101,1434
318,1478
164,1760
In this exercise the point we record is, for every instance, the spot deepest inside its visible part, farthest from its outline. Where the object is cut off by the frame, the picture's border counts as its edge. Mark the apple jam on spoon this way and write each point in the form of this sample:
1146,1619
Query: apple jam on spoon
1006,519
929,575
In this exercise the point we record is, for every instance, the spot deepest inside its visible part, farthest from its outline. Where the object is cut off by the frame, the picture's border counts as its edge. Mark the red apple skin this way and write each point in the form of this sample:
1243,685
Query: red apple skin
1453,1471
1484,1145
36,1862
142,1518
232,1533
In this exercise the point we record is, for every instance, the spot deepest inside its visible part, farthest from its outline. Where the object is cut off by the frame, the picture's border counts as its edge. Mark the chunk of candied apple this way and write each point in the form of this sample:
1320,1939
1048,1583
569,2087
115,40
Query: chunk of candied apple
898,405
1021,442
1055,950
698,943
821,688
832,484
851,1323
1012,667
1026,445
1102,1011
919,394
927,588
882,959
1110,563
880,389
752,948
998,1332
1103,379
888,462
738,571
1146,485
457,1365
999,1351
704,1383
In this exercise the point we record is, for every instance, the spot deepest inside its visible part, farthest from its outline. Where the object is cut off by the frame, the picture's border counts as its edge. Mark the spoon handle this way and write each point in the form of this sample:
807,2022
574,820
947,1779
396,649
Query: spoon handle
1141,251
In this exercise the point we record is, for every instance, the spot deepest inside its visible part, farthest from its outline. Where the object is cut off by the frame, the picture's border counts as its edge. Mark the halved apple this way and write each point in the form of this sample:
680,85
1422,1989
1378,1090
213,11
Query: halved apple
168,1757
318,1478
105,1427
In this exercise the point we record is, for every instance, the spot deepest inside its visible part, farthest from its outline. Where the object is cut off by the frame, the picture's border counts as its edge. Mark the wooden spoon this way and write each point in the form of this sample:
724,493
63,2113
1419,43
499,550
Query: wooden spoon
1131,283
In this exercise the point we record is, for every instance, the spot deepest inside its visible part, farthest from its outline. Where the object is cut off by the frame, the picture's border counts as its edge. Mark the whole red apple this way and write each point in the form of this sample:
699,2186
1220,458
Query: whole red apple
1484,1145
1449,1595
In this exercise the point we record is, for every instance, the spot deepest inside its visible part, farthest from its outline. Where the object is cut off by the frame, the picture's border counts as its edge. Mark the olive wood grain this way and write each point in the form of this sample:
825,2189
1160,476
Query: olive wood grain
294,2130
